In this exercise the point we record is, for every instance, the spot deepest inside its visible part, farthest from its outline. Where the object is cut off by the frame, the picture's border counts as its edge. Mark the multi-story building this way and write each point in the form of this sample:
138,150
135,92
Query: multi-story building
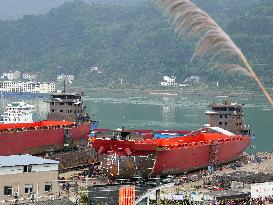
67,106
30,87
11,75
228,116
29,76
168,81
192,79
67,78
26,177
47,87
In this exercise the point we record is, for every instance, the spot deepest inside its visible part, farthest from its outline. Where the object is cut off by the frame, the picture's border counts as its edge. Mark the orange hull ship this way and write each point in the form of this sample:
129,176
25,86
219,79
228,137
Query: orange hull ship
38,137
169,156
67,125
128,157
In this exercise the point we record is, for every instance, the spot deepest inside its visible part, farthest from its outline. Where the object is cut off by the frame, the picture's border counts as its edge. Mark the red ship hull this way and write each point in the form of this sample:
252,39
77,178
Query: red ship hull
168,156
38,137
184,159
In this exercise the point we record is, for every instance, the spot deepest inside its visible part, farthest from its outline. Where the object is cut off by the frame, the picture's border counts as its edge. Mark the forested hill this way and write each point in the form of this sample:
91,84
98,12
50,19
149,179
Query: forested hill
135,43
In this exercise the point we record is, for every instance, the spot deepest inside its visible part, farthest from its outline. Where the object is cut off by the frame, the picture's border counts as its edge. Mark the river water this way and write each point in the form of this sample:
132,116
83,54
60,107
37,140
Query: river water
168,112
173,112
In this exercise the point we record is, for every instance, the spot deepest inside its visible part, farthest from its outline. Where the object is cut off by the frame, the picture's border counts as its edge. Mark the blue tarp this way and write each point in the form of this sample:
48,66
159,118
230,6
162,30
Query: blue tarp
94,125
167,135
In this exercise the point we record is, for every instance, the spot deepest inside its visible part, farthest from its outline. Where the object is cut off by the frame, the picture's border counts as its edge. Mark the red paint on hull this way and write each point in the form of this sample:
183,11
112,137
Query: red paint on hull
179,154
184,159
40,139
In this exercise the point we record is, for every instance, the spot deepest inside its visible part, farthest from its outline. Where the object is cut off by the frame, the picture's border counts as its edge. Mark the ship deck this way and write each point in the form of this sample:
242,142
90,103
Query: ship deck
35,124
151,145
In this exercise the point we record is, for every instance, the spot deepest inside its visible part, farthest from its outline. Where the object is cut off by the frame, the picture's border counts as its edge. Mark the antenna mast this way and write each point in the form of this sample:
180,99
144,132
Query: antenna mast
64,85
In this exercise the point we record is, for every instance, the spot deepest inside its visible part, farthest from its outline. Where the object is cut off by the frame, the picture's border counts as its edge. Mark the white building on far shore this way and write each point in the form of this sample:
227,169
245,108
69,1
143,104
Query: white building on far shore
192,79
30,86
11,75
66,78
168,81
29,76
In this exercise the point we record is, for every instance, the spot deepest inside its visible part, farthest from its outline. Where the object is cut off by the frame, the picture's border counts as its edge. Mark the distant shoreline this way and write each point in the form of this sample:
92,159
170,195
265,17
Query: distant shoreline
176,92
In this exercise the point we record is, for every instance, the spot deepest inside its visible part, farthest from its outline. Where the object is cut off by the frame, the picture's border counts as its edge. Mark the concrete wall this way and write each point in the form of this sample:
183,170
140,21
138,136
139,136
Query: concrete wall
36,179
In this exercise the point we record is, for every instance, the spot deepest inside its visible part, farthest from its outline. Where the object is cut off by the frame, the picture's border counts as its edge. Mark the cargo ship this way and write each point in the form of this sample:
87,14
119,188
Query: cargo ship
142,155
67,125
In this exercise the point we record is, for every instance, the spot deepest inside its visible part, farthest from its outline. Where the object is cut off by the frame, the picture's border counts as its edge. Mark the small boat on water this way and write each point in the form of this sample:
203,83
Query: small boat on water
134,153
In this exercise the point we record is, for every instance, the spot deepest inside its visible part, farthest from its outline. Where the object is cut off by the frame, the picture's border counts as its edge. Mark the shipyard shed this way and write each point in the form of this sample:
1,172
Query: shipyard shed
16,164
25,177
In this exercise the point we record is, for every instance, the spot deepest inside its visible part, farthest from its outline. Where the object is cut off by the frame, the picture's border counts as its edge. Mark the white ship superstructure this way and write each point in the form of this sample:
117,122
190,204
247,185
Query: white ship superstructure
18,112
27,87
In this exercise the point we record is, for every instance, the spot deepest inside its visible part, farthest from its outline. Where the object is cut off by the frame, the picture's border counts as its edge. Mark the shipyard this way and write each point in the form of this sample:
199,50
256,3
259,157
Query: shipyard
136,102
98,165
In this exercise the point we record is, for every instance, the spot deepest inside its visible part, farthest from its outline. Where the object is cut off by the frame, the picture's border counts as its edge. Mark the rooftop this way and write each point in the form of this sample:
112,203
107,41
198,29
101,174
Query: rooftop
227,194
21,160
66,94
64,201
226,104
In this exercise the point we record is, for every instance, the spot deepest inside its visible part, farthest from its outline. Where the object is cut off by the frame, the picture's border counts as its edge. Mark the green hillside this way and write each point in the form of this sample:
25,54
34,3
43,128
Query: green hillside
135,43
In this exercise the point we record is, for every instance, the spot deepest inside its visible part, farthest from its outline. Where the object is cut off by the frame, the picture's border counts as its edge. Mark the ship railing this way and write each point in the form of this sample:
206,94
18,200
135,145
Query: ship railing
23,129
179,145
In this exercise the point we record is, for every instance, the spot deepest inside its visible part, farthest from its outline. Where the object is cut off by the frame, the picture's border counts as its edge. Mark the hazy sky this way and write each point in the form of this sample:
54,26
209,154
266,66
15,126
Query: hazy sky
12,9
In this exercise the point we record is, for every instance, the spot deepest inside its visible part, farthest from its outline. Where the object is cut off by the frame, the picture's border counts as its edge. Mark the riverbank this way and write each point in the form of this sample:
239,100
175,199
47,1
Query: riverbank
228,91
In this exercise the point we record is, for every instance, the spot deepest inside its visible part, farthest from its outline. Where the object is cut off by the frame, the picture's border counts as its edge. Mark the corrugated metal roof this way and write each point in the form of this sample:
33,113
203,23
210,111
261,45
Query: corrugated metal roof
21,160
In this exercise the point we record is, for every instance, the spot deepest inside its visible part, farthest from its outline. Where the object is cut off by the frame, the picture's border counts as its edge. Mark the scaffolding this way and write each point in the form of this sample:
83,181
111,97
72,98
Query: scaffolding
214,149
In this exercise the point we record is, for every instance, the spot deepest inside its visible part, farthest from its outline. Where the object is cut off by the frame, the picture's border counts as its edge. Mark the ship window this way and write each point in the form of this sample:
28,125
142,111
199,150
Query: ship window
225,123
220,116
28,188
220,123
61,111
7,190
48,186
238,110
52,110
27,168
